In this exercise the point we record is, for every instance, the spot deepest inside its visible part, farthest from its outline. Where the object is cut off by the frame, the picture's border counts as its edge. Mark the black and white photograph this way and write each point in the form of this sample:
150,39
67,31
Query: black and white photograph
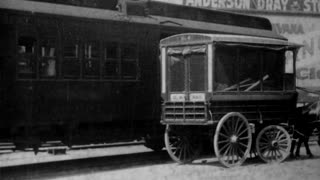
159,89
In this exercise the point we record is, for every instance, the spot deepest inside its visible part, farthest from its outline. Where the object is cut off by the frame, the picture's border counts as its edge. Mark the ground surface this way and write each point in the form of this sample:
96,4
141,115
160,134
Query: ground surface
137,162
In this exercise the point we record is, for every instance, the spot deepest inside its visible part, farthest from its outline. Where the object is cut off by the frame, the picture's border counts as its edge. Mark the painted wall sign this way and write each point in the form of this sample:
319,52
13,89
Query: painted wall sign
307,6
301,29
306,31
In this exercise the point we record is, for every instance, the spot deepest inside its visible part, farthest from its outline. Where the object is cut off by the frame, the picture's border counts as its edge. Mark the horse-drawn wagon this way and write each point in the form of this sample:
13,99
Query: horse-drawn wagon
231,89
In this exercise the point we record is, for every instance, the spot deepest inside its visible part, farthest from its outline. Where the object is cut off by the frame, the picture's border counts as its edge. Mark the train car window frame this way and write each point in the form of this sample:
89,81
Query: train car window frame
26,57
129,60
48,65
111,53
74,71
48,52
26,42
91,60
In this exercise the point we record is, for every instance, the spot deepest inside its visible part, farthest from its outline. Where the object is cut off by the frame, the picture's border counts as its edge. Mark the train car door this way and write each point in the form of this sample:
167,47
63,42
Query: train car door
6,76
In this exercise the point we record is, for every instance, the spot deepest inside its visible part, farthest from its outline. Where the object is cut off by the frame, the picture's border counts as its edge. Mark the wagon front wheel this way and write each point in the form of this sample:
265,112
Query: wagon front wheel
182,144
232,139
273,144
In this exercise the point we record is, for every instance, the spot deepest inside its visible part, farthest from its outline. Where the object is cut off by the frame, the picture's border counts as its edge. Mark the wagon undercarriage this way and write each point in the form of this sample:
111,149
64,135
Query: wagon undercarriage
232,138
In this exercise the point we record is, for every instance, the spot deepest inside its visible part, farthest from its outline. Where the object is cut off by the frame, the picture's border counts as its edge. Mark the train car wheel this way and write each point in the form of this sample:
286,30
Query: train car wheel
232,139
182,145
273,144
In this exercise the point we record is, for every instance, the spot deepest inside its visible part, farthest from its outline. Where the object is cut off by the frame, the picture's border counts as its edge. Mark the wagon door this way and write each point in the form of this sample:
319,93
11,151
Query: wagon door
6,75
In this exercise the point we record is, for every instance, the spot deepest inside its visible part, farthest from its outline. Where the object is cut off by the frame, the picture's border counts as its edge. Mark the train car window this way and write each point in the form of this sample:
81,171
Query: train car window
249,70
26,60
91,62
71,61
48,61
289,71
91,50
129,53
71,50
111,60
273,66
225,69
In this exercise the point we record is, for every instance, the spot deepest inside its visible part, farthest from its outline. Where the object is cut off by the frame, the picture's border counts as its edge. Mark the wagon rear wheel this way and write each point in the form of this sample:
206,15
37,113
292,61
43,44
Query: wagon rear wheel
273,144
232,139
182,144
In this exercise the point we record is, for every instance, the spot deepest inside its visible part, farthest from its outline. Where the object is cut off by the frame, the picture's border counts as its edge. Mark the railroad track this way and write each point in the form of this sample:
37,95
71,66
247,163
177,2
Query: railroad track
6,147
138,156
57,147
55,151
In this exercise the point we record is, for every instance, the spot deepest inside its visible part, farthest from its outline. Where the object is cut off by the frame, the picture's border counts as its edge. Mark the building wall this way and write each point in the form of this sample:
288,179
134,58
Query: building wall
298,20
303,30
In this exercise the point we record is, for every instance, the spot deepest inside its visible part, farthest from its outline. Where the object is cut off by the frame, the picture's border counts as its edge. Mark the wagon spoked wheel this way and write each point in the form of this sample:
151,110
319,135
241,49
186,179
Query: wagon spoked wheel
232,139
273,144
182,145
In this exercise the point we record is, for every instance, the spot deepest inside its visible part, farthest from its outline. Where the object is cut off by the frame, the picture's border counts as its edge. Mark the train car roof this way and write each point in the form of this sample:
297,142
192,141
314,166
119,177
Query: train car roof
150,7
35,7
227,39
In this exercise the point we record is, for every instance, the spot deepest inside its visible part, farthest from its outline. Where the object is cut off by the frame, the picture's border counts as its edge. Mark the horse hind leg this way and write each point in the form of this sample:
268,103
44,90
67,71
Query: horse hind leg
306,145
297,154
293,145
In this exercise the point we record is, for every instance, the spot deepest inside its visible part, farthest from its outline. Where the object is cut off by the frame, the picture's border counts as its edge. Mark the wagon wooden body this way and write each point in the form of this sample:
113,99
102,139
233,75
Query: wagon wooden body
237,90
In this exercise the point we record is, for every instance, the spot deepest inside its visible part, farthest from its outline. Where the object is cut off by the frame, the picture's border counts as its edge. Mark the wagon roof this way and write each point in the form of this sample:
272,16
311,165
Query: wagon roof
227,39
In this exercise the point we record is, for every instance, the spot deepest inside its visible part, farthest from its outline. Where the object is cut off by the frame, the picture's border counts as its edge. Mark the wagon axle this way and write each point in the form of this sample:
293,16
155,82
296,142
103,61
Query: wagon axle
274,144
234,139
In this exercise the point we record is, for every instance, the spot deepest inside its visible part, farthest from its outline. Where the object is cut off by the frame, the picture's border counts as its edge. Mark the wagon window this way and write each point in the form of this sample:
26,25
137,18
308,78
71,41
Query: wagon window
197,69
273,66
177,72
71,61
289,71
225,69
249,70
289,62
47,58
91,62
26,62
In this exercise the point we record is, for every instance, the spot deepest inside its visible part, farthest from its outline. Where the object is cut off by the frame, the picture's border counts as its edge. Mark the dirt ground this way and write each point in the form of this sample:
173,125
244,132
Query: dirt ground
140,163
291,169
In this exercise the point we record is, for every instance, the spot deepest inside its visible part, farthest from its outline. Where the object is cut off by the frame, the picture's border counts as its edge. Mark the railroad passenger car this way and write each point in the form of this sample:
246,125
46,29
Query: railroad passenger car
85,75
